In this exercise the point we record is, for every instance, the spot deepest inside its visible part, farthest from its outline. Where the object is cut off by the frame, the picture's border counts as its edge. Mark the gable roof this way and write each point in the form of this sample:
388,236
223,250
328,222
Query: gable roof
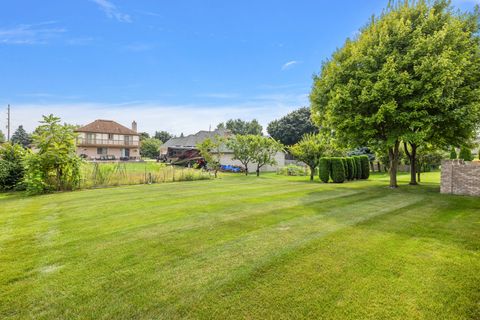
106,126
194,139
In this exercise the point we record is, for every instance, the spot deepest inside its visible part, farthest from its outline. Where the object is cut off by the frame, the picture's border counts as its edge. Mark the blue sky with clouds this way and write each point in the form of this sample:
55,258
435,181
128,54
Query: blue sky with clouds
171,65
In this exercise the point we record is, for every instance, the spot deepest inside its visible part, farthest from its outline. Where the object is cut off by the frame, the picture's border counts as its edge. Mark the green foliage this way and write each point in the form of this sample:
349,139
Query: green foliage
163,136
144,136
241,146
291,128
324,169
150,148
263,151
337,170
465,154
453,153
54,166
241,127
2,137
293,170
11,166
309,150
21,137
211,151
365,164
350,168
358,167
413,74
362,151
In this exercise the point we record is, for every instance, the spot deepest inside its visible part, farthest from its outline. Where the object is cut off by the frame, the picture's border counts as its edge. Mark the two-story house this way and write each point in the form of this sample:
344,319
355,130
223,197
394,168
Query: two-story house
108,140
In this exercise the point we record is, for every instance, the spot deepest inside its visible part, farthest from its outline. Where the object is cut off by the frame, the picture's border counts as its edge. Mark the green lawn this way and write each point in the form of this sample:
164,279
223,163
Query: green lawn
242,247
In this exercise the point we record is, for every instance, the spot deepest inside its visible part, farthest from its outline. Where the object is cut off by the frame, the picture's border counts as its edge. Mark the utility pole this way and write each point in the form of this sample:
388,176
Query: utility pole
8,123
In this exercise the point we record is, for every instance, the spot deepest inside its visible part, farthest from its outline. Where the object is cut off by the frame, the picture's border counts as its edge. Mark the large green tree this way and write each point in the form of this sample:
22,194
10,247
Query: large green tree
11,166
242,127
290,129
21,137
412,75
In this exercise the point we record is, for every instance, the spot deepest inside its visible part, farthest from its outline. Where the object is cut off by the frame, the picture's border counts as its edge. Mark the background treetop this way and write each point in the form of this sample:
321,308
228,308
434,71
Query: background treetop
290,129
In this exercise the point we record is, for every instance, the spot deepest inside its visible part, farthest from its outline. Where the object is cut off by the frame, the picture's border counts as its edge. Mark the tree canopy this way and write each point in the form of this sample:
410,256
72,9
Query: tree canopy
54,166
290,129
411,75
163,136
309,150
150,148
21,137
242,127
211,151
2,137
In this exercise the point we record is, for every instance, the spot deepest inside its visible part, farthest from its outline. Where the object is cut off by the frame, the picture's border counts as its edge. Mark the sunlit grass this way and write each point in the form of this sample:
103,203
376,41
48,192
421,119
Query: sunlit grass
273,247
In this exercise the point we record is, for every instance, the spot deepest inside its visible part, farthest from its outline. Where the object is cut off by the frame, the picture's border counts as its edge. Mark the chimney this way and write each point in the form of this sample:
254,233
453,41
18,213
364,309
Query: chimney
134,126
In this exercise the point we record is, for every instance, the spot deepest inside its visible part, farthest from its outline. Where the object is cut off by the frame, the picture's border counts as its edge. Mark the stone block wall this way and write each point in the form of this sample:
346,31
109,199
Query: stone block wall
459,177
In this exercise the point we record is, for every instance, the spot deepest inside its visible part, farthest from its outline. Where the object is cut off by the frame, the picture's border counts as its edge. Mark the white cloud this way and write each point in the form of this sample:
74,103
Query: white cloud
31,34
156,116
112,11
289,64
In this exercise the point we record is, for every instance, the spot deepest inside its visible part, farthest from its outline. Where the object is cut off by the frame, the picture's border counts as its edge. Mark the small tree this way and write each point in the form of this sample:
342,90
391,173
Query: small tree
241,146
150,148
358,167
264,150
364,162
211,151
453,154
11,166
21,137
309,150
324,169
2,137
337,170
465,154
55,165
350,168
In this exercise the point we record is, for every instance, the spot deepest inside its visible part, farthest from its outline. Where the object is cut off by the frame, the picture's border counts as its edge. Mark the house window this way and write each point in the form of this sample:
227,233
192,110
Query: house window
110,136
102,151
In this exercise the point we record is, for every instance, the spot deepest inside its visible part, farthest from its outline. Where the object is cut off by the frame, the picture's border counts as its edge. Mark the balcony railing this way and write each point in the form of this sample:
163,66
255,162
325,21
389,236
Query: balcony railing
107,142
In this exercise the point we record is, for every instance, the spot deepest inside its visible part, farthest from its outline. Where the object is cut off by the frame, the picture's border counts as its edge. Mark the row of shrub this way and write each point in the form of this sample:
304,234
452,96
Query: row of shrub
340,169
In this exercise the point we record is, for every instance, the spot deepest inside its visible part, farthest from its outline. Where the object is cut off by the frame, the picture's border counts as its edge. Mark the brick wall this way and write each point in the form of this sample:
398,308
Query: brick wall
459,177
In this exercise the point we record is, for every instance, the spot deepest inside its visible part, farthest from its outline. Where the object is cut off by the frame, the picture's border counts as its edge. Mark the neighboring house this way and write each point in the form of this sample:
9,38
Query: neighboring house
187,145
108,140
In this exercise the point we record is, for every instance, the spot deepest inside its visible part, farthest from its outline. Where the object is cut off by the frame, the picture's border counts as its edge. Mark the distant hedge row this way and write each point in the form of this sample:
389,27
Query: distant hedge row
340,169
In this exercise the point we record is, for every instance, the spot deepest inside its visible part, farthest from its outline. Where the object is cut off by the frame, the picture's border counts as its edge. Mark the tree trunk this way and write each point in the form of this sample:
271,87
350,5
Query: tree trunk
246,169
312,173
413,164
258,171
393,158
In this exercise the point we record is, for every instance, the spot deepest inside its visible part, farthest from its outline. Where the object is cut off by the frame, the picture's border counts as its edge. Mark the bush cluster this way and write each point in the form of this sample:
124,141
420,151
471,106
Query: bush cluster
340,169
292,170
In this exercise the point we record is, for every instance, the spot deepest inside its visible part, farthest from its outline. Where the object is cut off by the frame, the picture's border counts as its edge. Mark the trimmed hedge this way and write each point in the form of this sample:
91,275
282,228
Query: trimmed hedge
350,168
337,170
358,167
324,169
365,166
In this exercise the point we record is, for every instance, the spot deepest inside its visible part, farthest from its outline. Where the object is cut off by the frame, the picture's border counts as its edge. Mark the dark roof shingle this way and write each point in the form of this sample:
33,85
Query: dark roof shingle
106,126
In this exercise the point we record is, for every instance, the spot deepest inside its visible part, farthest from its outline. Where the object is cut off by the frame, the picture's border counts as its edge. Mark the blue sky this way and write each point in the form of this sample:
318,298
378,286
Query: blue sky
170,65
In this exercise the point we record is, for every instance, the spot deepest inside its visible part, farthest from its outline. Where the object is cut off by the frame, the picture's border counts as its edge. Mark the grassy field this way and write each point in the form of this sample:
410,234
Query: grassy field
242,247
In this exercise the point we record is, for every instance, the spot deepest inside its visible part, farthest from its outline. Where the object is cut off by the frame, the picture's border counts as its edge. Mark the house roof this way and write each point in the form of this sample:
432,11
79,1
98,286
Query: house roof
194,139
106,126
